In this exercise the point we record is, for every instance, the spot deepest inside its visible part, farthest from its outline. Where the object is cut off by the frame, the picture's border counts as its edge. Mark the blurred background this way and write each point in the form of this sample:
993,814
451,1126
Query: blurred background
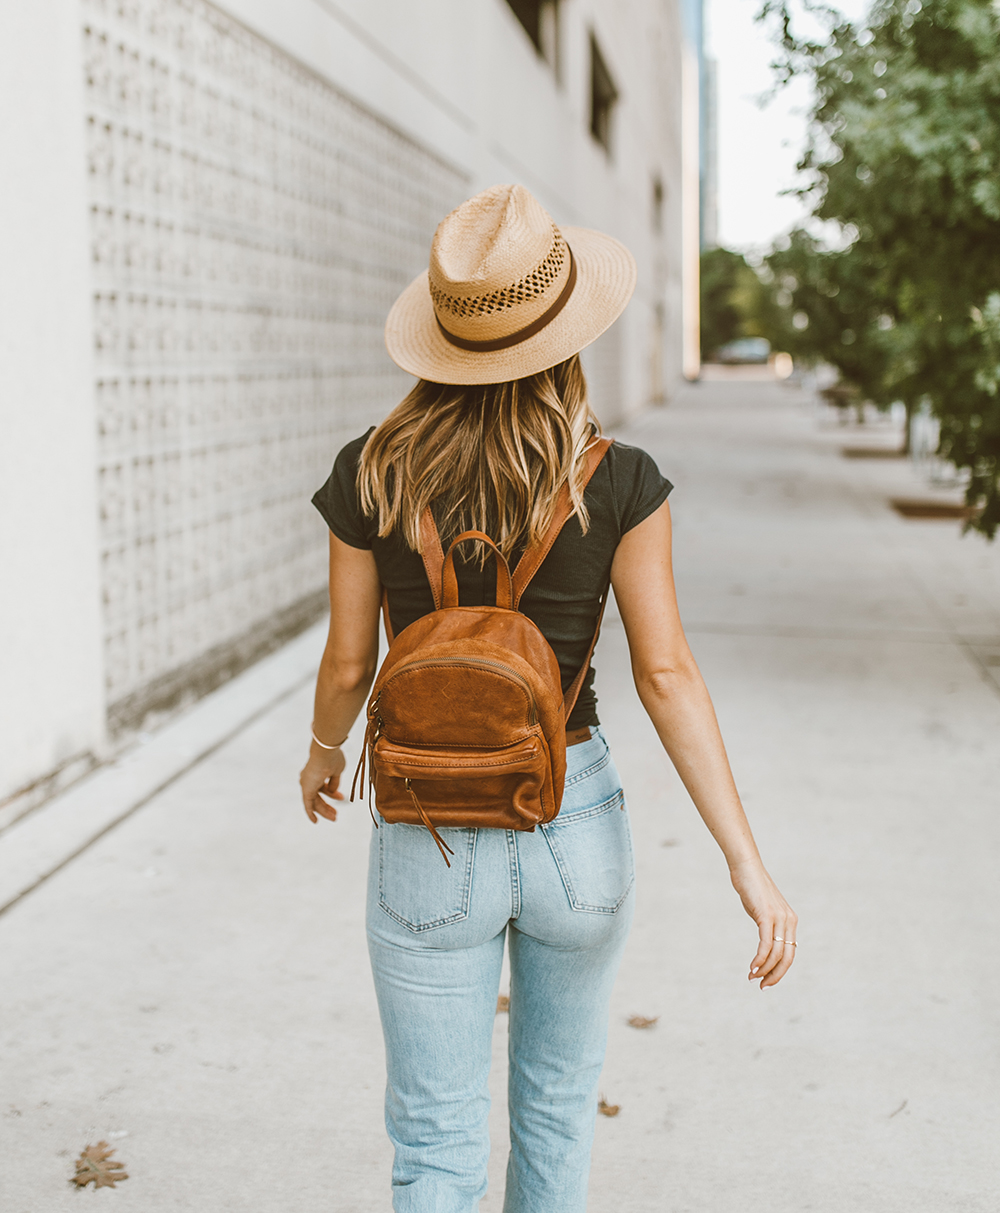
207,211
856,218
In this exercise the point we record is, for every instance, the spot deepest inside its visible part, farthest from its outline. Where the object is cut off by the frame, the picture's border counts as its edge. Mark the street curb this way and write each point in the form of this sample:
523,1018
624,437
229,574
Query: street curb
43,842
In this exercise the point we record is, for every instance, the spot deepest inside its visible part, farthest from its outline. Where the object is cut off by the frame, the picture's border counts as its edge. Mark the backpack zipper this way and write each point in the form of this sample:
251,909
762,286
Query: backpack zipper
473,661
408,755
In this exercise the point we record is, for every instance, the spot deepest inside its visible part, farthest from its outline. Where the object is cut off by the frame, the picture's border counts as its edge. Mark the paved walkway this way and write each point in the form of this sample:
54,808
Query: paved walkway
193,986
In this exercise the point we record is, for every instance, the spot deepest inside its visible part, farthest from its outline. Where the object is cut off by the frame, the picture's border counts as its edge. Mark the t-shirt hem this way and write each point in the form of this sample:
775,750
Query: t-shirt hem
649,508
338,530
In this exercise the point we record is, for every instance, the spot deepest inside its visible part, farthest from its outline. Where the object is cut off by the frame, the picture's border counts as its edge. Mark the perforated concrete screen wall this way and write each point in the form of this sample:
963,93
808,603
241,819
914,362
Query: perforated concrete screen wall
250,228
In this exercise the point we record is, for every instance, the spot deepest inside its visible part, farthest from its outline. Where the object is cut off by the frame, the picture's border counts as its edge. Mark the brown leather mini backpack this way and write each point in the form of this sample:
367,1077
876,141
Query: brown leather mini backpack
467,718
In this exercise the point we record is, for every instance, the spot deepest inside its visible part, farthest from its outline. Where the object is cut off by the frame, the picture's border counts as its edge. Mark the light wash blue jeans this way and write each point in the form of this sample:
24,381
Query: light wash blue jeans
436,938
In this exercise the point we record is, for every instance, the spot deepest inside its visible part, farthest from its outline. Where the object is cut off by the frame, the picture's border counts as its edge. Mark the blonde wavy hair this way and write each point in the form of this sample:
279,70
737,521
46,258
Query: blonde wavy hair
492,458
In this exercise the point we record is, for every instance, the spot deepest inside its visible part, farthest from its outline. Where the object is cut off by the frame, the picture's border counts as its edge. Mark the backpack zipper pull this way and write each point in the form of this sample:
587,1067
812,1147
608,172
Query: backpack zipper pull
371,732
441,844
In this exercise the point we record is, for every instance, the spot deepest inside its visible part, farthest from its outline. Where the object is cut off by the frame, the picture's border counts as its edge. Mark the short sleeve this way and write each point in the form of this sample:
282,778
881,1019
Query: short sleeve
640,488
338,500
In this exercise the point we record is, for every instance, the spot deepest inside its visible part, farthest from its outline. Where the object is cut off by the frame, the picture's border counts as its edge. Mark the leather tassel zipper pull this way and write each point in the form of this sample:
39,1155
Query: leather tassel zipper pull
441,844
359,770
365,763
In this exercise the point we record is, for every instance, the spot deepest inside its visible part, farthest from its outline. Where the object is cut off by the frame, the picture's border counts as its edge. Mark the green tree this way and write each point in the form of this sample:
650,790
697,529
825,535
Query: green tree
721,315
736,301
828,305
904,155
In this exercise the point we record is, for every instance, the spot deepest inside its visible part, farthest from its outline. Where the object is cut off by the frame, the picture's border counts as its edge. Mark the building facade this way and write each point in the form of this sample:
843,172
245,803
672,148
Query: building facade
210,208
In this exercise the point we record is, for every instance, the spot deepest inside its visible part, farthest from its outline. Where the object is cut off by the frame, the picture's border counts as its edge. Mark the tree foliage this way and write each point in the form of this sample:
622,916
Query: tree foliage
829,307
904,155
736,301
721,315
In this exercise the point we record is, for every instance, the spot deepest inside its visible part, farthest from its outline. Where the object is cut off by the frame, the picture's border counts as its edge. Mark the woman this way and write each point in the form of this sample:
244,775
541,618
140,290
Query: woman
496,426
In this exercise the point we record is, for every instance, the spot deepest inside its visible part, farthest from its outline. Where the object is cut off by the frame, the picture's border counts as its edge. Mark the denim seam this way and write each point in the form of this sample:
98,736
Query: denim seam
515,874
457,916
585,907
424,926
601,763
583,814
574,901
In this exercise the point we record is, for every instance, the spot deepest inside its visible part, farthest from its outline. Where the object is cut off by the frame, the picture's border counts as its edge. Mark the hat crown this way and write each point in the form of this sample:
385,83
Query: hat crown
496,263
495,238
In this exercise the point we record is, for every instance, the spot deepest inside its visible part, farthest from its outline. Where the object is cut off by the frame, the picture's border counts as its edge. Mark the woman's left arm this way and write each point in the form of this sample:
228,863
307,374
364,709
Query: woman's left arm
677,701
346,671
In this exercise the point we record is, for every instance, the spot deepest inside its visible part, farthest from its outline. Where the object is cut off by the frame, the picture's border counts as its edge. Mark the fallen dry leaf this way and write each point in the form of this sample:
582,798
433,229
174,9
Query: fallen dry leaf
95,1166
608,1109
503,1004
640,1021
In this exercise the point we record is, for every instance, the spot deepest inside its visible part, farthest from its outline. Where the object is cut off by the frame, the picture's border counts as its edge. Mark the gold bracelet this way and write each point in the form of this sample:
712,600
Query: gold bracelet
322,744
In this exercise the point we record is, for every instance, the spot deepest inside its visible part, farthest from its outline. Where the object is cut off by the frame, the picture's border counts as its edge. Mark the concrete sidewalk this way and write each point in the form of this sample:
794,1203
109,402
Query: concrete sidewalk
193,985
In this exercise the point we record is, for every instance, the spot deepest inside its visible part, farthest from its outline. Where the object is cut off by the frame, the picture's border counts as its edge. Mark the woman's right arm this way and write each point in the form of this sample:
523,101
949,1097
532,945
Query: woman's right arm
674,695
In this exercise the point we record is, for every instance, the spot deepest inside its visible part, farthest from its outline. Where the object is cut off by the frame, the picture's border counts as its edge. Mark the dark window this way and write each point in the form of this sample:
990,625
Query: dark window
658,197
603,96
540,19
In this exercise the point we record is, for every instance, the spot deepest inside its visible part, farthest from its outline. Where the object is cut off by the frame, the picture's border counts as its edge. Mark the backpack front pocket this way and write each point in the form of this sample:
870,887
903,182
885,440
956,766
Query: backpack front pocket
471,787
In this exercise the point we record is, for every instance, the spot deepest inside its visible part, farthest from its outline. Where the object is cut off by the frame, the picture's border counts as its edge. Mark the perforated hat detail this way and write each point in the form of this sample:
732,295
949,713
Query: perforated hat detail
529,287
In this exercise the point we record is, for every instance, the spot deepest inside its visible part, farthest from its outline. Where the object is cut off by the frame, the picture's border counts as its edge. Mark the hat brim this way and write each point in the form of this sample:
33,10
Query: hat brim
605,280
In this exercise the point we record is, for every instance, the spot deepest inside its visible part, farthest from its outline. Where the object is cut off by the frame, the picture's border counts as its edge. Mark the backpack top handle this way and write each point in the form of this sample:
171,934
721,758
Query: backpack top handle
449,578
432,552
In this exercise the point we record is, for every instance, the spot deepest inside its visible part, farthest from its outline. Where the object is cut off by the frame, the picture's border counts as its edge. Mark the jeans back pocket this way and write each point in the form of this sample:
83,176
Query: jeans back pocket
592,849
415,888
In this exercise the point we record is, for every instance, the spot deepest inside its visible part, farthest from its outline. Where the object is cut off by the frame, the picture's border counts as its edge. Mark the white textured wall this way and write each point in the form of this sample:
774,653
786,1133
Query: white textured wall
51,693
250,226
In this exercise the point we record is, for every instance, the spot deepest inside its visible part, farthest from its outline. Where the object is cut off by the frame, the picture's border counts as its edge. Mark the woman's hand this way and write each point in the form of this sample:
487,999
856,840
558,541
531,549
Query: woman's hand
321,774
776,921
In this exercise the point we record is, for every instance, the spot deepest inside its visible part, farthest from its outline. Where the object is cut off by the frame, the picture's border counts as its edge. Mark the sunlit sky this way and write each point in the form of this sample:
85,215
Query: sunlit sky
758,147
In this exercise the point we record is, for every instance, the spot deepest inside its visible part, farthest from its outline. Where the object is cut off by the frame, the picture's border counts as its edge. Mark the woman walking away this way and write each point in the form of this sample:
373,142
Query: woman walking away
500,813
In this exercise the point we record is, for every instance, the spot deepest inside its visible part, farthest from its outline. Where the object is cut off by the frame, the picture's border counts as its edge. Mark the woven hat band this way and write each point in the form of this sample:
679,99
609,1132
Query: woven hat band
529,330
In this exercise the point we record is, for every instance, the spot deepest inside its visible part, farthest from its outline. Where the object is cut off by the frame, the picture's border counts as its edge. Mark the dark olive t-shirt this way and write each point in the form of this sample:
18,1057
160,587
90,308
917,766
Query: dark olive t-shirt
563,597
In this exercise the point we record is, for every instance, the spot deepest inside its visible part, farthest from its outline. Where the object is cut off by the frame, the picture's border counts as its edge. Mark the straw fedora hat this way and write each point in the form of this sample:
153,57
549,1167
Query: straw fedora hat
507,293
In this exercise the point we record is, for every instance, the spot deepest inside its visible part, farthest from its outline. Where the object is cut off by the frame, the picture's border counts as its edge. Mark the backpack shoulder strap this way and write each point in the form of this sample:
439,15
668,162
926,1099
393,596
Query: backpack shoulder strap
385,616
433,558
531,561
432,554
576,686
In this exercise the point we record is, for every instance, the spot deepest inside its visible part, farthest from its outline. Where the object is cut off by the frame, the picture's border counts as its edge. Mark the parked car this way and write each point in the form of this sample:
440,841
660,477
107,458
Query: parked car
745,349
